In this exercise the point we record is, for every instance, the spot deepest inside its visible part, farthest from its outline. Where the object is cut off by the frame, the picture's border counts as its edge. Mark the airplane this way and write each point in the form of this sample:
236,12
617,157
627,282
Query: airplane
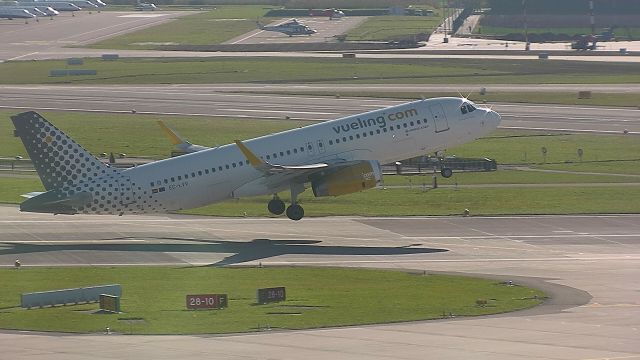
15,13
32,9
82,4
57,6
292,27
335,157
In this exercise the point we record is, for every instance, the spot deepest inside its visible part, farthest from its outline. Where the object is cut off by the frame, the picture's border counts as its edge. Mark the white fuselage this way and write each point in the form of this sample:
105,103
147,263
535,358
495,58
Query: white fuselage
386,135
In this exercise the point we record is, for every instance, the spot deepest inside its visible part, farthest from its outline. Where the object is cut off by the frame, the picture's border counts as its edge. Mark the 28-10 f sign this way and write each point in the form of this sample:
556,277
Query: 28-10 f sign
207,301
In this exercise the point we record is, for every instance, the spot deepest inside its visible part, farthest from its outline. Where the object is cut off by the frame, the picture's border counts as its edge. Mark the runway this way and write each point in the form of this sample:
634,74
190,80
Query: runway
597,256
241,102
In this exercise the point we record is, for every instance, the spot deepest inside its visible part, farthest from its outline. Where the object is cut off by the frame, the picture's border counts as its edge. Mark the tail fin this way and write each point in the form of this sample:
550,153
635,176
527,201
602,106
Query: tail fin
59,161
175,138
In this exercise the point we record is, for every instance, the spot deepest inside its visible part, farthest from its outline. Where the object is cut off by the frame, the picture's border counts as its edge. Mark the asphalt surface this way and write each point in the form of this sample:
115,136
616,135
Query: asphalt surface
50,39
588,264
326,29
26,41
236,101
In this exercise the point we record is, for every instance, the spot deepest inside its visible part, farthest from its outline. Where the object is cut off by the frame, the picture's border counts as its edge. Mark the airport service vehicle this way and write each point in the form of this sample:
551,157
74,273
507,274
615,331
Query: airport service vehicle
291,28
57,6
15,13
333,158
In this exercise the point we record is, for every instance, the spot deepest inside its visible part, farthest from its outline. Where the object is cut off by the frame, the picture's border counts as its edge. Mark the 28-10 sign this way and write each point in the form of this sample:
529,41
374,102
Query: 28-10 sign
207,301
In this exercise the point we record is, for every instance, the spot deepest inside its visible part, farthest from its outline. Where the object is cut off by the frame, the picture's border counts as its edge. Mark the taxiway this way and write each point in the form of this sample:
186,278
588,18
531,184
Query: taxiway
589,263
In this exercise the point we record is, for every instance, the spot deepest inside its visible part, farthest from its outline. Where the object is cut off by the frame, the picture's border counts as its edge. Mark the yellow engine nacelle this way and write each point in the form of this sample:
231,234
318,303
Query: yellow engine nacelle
346,180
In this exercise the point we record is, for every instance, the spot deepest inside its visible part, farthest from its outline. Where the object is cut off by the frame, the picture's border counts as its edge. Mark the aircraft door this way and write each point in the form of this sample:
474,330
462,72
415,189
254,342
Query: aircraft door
439,118
310,149
321,148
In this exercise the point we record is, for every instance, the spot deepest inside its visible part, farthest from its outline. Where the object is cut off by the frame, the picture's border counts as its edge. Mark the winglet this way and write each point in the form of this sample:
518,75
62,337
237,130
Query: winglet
173,136
253,159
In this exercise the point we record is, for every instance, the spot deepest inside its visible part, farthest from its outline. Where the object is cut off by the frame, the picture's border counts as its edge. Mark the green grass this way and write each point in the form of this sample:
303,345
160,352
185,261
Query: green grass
139,135
210,27
385,28
508,177
323,297
449,201
323,70
634,32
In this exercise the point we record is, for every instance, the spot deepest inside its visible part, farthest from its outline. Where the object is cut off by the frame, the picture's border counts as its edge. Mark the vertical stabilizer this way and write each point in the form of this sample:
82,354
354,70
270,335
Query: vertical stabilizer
58,159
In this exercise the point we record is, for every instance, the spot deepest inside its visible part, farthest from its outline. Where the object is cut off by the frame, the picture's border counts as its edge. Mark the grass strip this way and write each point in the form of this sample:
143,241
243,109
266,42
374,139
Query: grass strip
316,297
323,70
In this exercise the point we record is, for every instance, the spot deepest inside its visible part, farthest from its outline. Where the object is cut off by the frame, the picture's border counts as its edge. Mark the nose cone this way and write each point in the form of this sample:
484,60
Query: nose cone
493,119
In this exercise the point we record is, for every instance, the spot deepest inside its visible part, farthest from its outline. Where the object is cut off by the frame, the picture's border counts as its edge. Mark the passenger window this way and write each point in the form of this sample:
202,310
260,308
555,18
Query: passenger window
288,152
358,136
226,166
337,141
233,164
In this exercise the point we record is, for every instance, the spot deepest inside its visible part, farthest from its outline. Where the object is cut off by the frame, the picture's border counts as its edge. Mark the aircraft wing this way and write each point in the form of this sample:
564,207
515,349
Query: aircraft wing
270,169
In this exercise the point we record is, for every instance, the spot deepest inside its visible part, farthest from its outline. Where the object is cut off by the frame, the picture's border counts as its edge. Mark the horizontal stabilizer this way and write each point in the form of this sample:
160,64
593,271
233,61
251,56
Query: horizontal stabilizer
32,194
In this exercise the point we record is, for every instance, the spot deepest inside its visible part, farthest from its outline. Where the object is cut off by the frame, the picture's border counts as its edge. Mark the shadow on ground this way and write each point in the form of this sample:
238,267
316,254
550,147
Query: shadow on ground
242,251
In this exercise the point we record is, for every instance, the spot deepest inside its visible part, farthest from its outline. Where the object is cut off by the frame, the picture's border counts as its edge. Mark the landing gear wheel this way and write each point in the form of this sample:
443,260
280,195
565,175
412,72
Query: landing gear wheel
446,172
276,206
295,212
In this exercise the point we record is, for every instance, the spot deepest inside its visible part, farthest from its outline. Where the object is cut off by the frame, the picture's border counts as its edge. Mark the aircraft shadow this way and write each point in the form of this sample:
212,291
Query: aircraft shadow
242,251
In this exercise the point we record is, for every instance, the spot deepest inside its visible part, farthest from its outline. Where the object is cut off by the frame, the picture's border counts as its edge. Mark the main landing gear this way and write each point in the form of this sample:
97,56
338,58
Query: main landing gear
294,211
446,172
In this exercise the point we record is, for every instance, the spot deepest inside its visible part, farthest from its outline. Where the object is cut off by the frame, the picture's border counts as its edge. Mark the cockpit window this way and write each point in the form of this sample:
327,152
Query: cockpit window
467,108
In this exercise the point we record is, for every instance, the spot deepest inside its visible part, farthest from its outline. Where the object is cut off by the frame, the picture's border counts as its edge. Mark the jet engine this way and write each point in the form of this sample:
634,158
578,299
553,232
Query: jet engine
348,179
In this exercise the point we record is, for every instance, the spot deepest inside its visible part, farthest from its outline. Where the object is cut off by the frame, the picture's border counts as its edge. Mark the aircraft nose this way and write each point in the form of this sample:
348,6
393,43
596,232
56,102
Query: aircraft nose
493,118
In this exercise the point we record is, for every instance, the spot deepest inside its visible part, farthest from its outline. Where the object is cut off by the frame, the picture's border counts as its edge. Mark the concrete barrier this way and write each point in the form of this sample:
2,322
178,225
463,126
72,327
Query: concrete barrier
75,61
68,296
110,57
